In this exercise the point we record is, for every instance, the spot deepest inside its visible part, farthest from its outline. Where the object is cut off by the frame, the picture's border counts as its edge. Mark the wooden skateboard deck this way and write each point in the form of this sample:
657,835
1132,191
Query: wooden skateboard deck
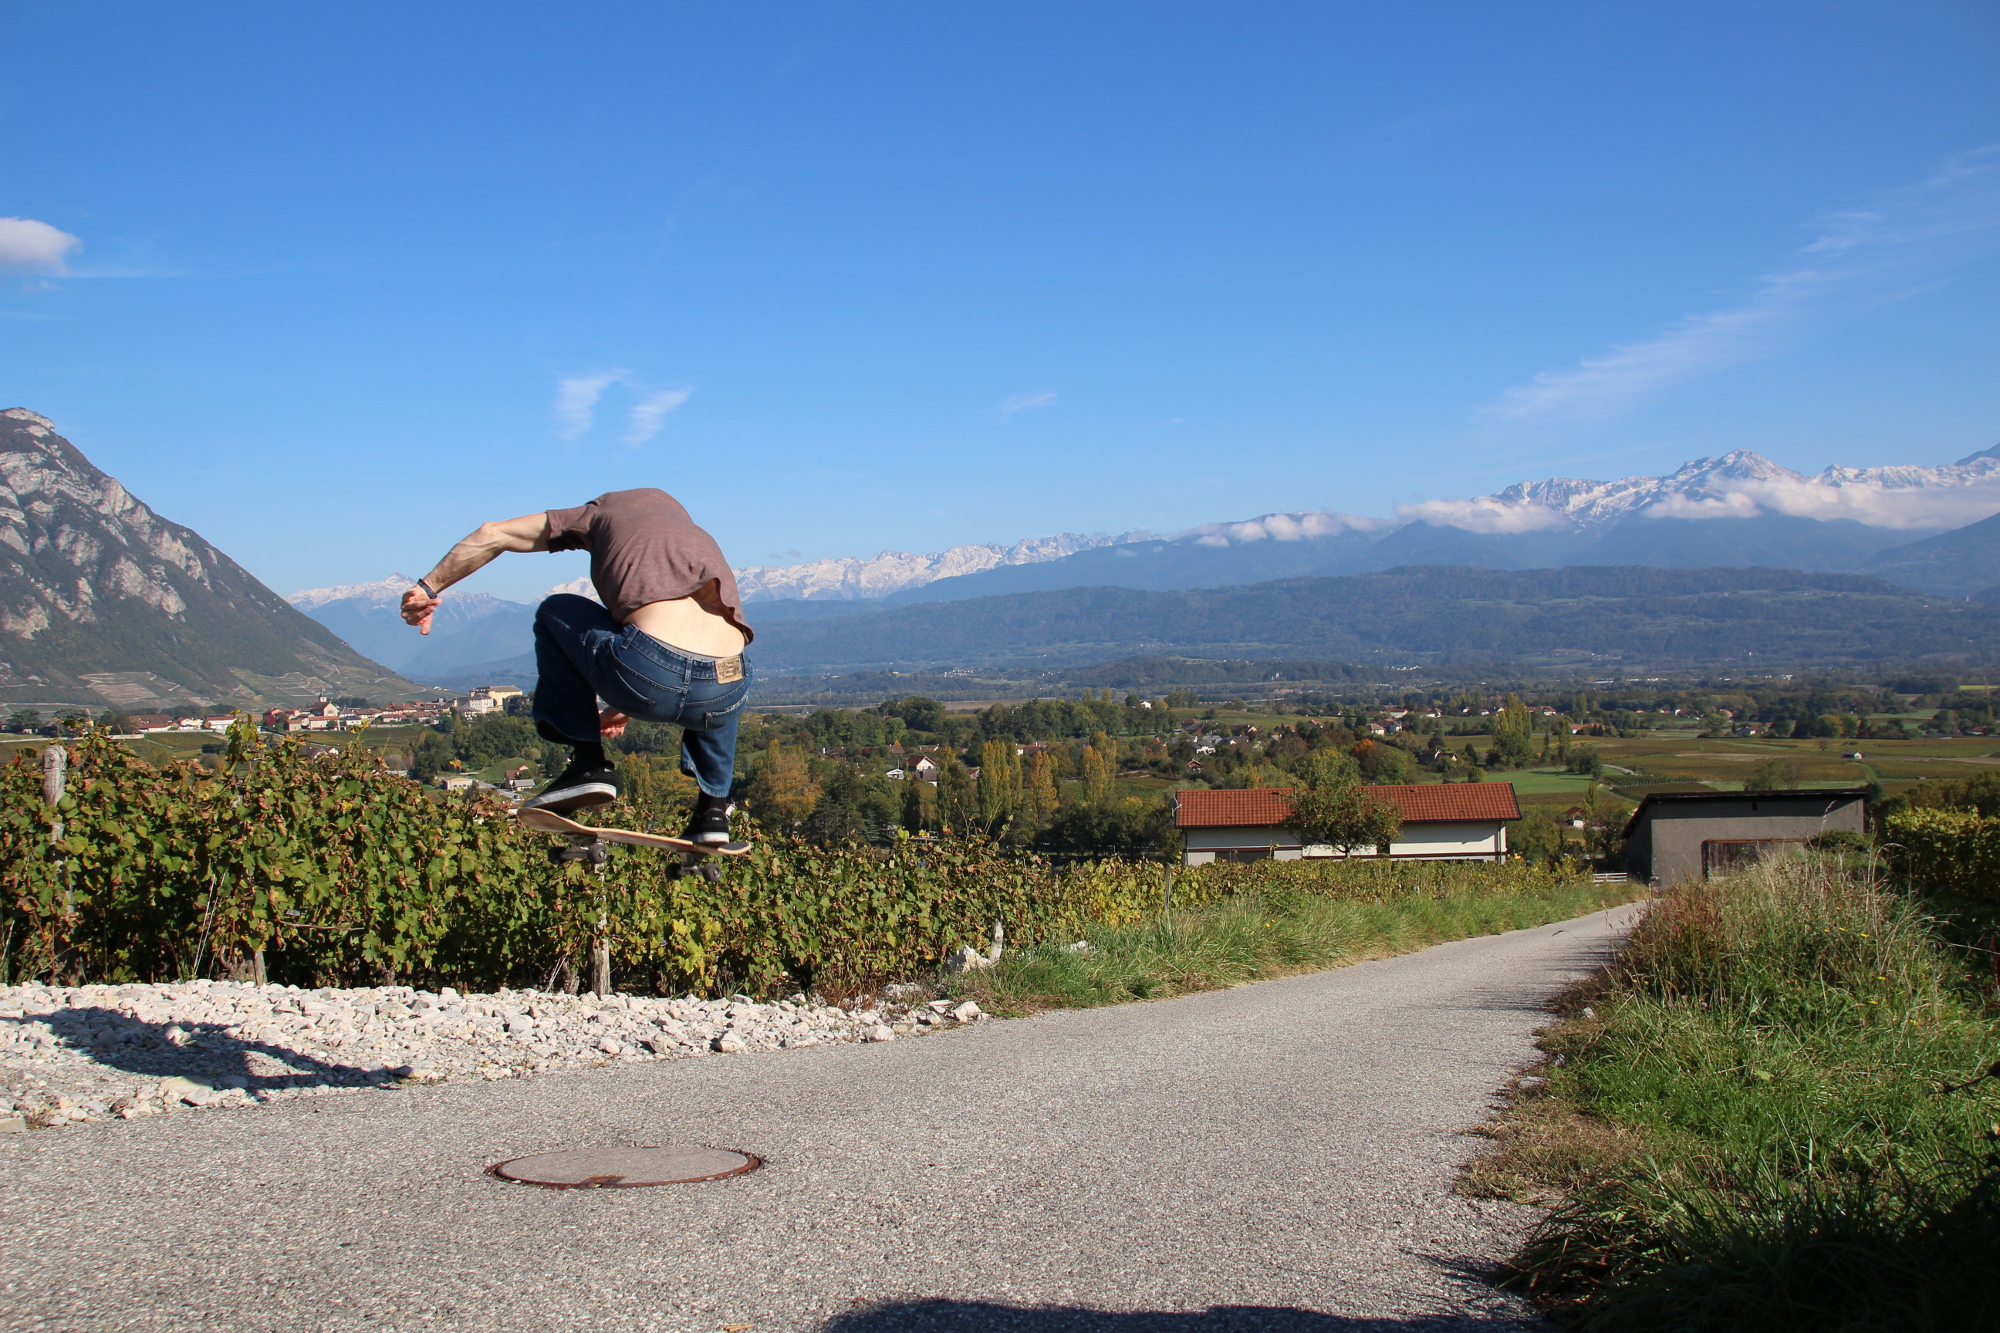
547,821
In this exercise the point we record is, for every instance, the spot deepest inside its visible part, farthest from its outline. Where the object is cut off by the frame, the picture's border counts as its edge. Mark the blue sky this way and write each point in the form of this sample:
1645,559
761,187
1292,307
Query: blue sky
331,284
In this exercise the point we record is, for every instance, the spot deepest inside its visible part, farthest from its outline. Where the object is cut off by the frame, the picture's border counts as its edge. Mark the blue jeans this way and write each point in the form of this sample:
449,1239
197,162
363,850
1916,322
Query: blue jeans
584,655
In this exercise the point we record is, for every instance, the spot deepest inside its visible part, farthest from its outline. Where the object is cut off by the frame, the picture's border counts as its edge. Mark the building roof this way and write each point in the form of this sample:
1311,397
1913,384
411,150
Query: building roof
1271,807
1813,795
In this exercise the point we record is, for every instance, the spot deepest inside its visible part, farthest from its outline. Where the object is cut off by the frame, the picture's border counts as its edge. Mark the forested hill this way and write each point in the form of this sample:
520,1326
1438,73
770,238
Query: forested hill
1433,615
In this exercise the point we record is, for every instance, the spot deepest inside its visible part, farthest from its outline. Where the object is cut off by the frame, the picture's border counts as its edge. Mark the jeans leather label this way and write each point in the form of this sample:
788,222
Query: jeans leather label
728,669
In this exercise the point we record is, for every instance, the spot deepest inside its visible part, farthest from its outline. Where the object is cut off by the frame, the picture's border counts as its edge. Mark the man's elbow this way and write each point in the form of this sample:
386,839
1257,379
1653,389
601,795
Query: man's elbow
496,537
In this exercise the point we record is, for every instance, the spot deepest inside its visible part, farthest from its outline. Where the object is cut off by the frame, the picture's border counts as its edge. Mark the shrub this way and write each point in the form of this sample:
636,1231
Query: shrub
1947,849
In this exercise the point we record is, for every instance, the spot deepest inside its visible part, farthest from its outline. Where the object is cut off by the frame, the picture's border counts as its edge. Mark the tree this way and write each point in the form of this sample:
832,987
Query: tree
1513,728
955,806
25,720
1776,775
433,752
1100,763
784,790
1331,807
1382,763
1041,796
999,783
919,805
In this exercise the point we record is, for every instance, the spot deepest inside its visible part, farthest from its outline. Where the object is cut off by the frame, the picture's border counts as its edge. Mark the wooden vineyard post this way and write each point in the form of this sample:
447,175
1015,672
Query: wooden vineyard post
600,962
600,948
55,773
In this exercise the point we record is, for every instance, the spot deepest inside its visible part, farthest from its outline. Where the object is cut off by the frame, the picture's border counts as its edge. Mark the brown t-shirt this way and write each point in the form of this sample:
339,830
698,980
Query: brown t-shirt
643,549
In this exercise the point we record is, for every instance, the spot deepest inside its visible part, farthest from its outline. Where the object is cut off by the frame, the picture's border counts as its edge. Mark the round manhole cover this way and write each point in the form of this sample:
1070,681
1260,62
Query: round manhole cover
625,1168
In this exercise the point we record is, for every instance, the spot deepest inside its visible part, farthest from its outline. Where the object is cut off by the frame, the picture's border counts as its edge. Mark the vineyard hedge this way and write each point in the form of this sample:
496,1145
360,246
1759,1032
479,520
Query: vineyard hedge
323,868
1948,849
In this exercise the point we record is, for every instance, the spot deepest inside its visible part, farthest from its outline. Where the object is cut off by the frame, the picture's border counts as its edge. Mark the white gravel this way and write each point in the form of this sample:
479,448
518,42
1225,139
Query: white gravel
75,1054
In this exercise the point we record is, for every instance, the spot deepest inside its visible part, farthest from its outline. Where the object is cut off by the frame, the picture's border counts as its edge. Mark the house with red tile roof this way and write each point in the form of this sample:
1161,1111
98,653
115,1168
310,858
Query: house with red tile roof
1457,821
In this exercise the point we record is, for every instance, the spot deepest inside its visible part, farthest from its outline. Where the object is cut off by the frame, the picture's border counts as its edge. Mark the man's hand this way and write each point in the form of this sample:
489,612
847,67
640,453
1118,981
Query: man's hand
611,724
417,609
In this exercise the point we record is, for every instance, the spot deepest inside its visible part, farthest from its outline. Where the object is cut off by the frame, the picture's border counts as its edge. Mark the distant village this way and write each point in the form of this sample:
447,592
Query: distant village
323,714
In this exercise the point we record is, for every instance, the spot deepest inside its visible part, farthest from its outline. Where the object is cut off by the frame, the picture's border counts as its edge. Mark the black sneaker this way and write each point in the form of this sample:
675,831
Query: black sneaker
576,788
709,824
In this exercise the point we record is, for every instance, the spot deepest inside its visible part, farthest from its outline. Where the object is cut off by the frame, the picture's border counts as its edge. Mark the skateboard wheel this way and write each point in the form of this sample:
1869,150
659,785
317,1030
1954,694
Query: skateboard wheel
711,873
598,853
674,872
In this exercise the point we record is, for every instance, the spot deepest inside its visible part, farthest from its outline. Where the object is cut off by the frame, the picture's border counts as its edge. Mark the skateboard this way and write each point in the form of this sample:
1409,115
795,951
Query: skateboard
586,843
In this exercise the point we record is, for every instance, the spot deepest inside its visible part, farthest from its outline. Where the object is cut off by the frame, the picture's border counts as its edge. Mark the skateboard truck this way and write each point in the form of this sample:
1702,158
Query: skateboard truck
581,847
694,863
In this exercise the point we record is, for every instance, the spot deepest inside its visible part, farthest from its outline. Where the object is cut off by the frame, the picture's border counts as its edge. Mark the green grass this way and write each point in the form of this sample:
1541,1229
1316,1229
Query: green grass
1278,932
1544,782
1775,1049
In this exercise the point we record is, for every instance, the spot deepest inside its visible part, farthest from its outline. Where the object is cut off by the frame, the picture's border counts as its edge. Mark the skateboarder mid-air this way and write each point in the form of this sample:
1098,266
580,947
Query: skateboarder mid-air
666,645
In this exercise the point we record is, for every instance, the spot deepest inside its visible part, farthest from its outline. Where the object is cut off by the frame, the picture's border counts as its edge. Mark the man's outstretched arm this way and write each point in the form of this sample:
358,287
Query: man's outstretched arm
530,532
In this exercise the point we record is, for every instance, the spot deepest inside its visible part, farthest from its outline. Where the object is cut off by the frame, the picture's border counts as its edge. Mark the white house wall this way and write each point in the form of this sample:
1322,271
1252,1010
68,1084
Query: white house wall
1444,840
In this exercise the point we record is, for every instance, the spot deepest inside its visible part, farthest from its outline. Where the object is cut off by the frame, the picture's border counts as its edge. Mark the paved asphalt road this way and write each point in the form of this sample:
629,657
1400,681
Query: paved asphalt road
1275,1157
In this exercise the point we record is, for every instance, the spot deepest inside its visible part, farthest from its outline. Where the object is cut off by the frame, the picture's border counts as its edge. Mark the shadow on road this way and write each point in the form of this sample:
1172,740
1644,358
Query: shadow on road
944,1316
201,1051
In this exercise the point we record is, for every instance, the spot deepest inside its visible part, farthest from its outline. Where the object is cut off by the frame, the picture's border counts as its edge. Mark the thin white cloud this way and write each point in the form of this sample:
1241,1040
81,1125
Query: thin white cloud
1931,222
28,246
1026,402
576,400
650,413
1487,513
1282,528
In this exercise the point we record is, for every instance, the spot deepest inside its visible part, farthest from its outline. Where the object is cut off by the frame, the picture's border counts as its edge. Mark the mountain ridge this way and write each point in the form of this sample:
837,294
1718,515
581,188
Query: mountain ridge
103,601
1550,522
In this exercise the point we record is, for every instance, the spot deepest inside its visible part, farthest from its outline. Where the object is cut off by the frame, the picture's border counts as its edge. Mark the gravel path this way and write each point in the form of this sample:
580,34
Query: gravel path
1274,1157
70,1055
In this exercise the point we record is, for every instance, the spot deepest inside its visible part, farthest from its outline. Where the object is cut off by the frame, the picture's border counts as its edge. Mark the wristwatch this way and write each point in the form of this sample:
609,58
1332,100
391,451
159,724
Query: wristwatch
429,591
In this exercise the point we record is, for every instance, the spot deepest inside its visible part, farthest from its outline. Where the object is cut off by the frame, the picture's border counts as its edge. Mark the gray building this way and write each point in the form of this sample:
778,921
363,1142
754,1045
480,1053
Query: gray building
1674,837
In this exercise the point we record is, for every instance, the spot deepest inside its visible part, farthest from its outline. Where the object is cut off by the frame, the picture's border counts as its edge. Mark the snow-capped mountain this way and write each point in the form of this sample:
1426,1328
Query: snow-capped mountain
1836,519
389,590
1740,484
850,578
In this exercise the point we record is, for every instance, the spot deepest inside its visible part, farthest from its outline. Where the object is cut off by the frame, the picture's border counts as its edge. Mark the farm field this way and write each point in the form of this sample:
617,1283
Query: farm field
1725,762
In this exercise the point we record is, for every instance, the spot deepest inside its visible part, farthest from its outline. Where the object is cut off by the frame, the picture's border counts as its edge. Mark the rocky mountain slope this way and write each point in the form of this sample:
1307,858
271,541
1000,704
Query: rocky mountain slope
103,602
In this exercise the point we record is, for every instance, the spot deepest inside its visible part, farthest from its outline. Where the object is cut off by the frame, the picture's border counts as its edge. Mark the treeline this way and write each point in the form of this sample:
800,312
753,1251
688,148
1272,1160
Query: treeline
1022,775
